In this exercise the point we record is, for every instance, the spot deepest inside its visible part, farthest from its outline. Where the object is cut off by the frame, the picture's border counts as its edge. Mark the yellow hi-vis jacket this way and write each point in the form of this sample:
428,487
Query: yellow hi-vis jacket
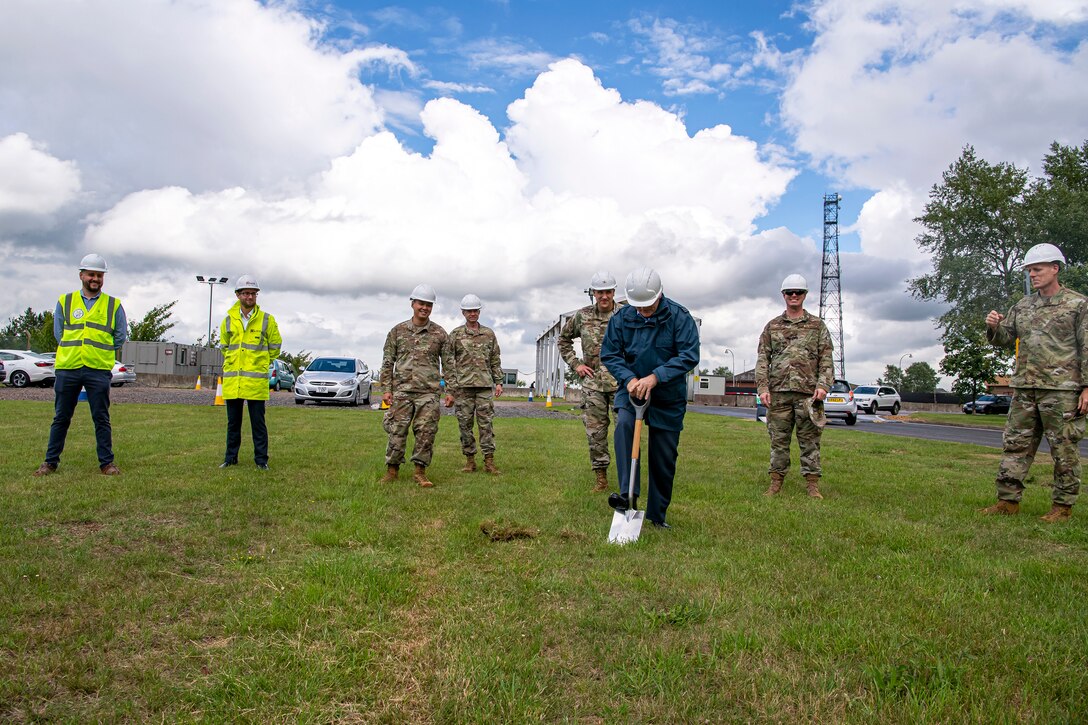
247,352
87,337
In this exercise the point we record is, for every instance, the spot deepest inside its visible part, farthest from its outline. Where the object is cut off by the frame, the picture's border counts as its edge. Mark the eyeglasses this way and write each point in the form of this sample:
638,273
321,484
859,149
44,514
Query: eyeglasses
794,292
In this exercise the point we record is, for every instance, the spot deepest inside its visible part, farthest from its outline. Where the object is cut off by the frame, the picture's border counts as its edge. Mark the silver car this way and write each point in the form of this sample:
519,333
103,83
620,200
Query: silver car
840,402
27,368
342,380
122,374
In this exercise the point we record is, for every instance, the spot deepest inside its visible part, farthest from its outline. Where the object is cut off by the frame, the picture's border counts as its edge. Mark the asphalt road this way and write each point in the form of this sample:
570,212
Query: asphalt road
989,437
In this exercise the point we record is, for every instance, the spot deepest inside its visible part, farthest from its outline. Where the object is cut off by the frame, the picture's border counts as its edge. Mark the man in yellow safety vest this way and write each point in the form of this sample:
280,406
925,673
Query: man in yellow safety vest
251,341
90,327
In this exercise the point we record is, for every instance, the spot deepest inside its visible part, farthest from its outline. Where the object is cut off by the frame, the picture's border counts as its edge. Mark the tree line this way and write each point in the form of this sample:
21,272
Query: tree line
979,221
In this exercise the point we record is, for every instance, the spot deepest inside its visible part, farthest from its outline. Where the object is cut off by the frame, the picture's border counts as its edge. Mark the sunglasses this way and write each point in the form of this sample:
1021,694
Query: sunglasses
794,292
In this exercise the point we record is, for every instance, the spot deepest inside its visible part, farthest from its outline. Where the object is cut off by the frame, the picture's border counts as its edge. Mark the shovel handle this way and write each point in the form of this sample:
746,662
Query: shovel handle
640,413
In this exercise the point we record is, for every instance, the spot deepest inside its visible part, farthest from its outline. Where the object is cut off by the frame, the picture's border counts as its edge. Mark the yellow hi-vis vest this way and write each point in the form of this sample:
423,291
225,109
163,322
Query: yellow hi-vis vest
87,337
247,353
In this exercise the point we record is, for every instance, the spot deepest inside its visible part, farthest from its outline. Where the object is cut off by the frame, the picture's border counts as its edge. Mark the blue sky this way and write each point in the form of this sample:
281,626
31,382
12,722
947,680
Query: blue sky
344,152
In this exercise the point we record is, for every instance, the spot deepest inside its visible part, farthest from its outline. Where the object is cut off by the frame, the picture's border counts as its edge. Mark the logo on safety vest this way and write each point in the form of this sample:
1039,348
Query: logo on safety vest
78,314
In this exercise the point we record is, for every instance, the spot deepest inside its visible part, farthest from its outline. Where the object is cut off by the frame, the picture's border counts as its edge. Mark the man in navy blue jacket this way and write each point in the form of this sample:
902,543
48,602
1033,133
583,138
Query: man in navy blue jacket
650,345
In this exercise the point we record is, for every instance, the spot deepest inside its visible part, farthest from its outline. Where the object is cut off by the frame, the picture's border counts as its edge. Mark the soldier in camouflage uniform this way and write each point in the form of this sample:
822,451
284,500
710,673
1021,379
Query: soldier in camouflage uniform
794,371
1050,397
473,379
410,377
598,386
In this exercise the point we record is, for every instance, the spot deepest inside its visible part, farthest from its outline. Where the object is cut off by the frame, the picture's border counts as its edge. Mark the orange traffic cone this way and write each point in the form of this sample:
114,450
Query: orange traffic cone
219,392
548,402
197,383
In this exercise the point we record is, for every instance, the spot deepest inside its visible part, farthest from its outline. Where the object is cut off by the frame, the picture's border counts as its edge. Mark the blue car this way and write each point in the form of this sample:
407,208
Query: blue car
281,375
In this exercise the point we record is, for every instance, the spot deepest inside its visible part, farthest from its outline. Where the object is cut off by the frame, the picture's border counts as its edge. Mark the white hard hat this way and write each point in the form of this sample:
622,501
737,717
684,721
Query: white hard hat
246,281
92,263
602,280
471,302
1039,254
643,287
424,293
794,281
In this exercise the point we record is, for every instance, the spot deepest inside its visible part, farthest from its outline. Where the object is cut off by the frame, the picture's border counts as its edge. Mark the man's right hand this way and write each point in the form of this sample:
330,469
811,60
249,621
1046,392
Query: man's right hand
584,370
765,398
387,398
993,319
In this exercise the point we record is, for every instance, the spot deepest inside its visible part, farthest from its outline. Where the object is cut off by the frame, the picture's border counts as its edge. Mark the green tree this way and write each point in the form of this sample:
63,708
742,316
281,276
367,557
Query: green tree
975,230
973,361
299,360
722,370
154,325
893,376
1057,202
920,377
30,330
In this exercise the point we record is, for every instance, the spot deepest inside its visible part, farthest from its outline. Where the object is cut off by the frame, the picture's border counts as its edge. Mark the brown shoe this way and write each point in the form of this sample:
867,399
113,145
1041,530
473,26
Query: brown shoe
420,476
111,469
489,466
391,473
812,483
1058,512
776,484
45,469
470,465
1002,508
601,475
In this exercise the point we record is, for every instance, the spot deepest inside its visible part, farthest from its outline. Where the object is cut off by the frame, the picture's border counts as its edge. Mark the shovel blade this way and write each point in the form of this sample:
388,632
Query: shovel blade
625,527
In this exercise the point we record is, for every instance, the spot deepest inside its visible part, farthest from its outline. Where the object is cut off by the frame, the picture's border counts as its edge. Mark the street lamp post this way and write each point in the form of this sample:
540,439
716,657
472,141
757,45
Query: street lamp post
732,368
211,282
906,354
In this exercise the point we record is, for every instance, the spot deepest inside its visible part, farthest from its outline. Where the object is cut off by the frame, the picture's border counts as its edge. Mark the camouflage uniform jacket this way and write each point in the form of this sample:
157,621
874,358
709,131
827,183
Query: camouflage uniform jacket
410,359
1053,334
588,324
471,358
794,355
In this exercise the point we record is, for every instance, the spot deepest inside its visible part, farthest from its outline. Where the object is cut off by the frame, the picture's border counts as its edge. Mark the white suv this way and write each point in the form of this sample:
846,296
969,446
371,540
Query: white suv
872,398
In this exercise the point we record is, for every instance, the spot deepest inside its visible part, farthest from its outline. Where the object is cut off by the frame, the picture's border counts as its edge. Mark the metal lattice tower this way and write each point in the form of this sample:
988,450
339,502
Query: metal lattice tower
830,286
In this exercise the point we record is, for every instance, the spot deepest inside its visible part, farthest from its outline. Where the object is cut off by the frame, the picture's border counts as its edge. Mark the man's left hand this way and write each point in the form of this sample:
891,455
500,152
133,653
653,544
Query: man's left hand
640,387
1082,404
820,394
498,390
449,401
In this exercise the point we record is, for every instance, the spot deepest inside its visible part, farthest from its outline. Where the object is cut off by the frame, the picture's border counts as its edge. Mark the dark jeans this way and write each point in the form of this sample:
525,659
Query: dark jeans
256,424
67,386
662,462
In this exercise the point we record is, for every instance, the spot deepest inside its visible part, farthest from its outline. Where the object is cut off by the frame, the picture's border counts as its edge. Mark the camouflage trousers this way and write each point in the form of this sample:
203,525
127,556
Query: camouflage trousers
476,404
786,412
421,412
598,408
1033,414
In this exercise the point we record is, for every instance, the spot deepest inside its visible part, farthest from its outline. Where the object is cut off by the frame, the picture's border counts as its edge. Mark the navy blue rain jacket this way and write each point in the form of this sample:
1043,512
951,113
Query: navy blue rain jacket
665,344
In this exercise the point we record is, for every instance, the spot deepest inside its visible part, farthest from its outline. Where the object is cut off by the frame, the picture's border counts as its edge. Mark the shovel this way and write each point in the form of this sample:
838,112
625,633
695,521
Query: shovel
627,524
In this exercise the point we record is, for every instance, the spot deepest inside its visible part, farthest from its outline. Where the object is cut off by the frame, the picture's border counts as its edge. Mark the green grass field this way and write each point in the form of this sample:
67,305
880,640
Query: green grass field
959,419
180,592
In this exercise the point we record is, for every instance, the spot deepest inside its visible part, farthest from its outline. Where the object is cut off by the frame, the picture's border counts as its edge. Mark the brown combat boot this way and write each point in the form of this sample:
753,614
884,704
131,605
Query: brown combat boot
470,465
776,484
602,480
1058,512
1002,508
420,477
812,483
391,473
45,469
489,465
110,469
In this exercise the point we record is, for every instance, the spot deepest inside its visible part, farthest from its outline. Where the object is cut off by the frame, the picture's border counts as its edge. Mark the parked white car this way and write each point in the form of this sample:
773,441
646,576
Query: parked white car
122,374
342,380
27,368
872,398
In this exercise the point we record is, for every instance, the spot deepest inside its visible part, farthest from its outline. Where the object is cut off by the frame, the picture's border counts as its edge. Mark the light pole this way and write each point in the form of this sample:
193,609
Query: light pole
732,368
906,354
211,282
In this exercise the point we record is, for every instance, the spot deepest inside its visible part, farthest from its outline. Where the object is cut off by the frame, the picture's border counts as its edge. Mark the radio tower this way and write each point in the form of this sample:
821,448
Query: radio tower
830,288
